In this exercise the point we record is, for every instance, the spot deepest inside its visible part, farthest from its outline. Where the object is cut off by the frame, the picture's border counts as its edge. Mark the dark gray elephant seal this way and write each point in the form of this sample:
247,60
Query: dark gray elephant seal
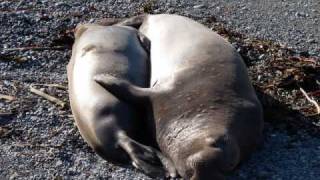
107,124
206,112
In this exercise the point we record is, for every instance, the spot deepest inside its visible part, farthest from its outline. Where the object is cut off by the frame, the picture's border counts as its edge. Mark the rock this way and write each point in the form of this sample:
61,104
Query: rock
59,163
199,6
14,176
170,11
311,41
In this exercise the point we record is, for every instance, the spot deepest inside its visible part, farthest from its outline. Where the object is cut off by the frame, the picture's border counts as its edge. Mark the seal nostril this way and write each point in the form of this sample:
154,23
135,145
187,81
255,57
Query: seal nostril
210,141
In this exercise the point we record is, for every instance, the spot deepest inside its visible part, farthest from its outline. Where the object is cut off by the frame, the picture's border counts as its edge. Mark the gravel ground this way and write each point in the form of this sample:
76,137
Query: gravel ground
39,140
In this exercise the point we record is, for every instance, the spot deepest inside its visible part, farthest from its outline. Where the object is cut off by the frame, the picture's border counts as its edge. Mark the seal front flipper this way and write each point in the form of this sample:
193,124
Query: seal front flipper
124,90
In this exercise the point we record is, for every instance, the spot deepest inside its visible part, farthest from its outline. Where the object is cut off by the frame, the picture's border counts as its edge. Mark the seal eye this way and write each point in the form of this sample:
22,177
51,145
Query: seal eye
88,48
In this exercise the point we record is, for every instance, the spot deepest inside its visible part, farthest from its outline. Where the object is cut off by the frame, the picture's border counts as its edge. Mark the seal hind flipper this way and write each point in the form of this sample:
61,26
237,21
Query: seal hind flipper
143,157
135,21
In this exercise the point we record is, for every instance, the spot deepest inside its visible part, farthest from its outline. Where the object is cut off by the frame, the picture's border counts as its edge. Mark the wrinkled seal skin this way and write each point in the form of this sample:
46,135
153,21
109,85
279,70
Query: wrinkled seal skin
206,112
106,123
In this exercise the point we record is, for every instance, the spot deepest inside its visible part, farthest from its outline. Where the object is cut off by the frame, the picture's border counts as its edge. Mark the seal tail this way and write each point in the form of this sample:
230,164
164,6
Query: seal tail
146,158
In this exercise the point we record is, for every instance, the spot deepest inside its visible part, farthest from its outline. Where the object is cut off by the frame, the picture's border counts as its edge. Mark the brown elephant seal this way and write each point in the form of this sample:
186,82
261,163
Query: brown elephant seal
106,123
207,115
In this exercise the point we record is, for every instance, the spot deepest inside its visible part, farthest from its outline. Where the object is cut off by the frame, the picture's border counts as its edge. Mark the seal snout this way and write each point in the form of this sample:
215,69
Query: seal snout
216,156
205,164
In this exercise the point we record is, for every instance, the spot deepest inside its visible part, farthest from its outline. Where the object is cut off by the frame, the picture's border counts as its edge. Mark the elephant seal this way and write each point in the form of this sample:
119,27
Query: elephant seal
207,115
106,123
